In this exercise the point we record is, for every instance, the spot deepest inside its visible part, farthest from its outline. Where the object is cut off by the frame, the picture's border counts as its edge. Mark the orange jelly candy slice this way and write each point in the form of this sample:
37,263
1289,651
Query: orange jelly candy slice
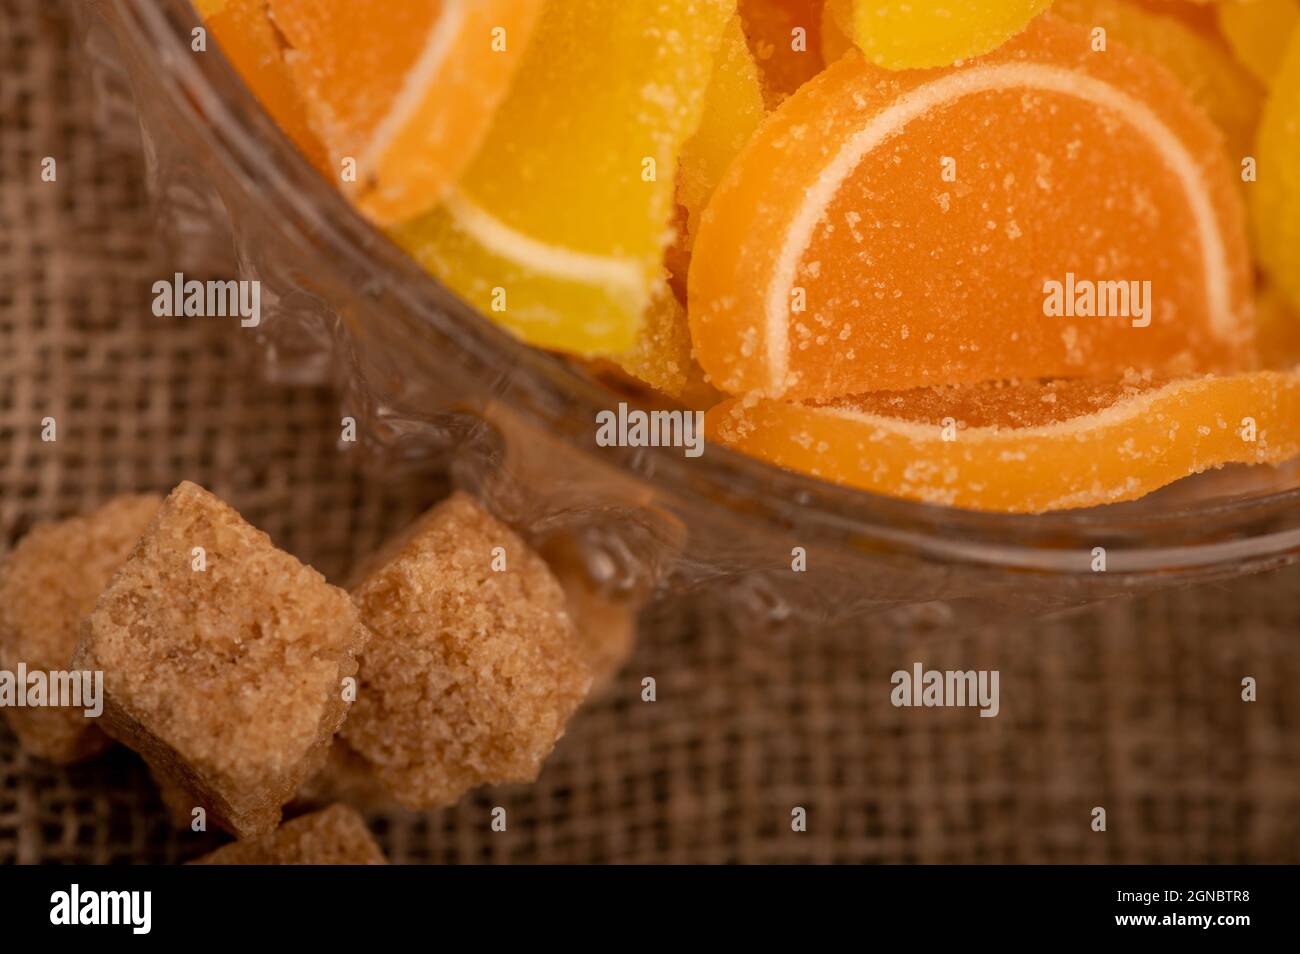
785,36
1043,212
406,91
558,228
1228,93
1025,447
250,41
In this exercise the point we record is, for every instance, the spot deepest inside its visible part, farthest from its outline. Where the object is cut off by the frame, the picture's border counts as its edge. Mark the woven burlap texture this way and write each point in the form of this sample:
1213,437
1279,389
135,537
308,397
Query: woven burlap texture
1134,707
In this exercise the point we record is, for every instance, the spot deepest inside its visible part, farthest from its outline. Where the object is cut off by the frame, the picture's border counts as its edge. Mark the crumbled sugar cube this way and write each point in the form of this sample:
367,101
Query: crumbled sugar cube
176,799
223,660
346,777
474,668
333,836
47,585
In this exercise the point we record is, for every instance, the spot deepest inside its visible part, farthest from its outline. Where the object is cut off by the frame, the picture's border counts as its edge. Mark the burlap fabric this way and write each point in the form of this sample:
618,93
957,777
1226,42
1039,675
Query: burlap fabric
1134,707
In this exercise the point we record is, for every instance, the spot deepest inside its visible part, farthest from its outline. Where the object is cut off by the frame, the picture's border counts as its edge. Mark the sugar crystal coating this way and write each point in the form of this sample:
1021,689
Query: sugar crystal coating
49,582
474,668
333,836
223,660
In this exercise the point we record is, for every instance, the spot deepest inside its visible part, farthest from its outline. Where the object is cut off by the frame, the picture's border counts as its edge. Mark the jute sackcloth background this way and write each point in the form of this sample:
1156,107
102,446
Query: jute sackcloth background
1134,707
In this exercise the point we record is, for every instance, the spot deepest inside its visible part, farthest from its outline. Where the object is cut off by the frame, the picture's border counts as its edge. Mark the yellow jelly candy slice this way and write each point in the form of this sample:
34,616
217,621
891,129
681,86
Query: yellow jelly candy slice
1275,197
733,108
1257,31
1277,330
662,355
403,96
901,34
558,228
1228,94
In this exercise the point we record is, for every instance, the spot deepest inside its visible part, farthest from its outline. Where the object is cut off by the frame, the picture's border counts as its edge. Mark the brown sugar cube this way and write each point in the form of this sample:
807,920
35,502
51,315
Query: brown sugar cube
47,585
224,660
346,777
177,800
604,622
474,668
333,836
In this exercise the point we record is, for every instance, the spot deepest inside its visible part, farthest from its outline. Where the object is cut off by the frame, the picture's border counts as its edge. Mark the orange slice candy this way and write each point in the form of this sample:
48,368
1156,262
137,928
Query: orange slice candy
1026,447
1215,81
406,91
1043,212
250,41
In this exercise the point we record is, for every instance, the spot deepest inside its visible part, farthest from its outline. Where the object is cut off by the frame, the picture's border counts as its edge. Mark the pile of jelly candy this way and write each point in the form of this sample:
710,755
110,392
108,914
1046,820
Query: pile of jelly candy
1007,255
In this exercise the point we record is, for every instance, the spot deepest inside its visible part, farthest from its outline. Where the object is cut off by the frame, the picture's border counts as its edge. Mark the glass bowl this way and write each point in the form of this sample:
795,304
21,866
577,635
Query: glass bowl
431,382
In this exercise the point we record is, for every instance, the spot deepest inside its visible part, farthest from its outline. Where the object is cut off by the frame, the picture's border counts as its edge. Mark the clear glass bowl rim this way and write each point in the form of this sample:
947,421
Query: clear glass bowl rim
207,91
